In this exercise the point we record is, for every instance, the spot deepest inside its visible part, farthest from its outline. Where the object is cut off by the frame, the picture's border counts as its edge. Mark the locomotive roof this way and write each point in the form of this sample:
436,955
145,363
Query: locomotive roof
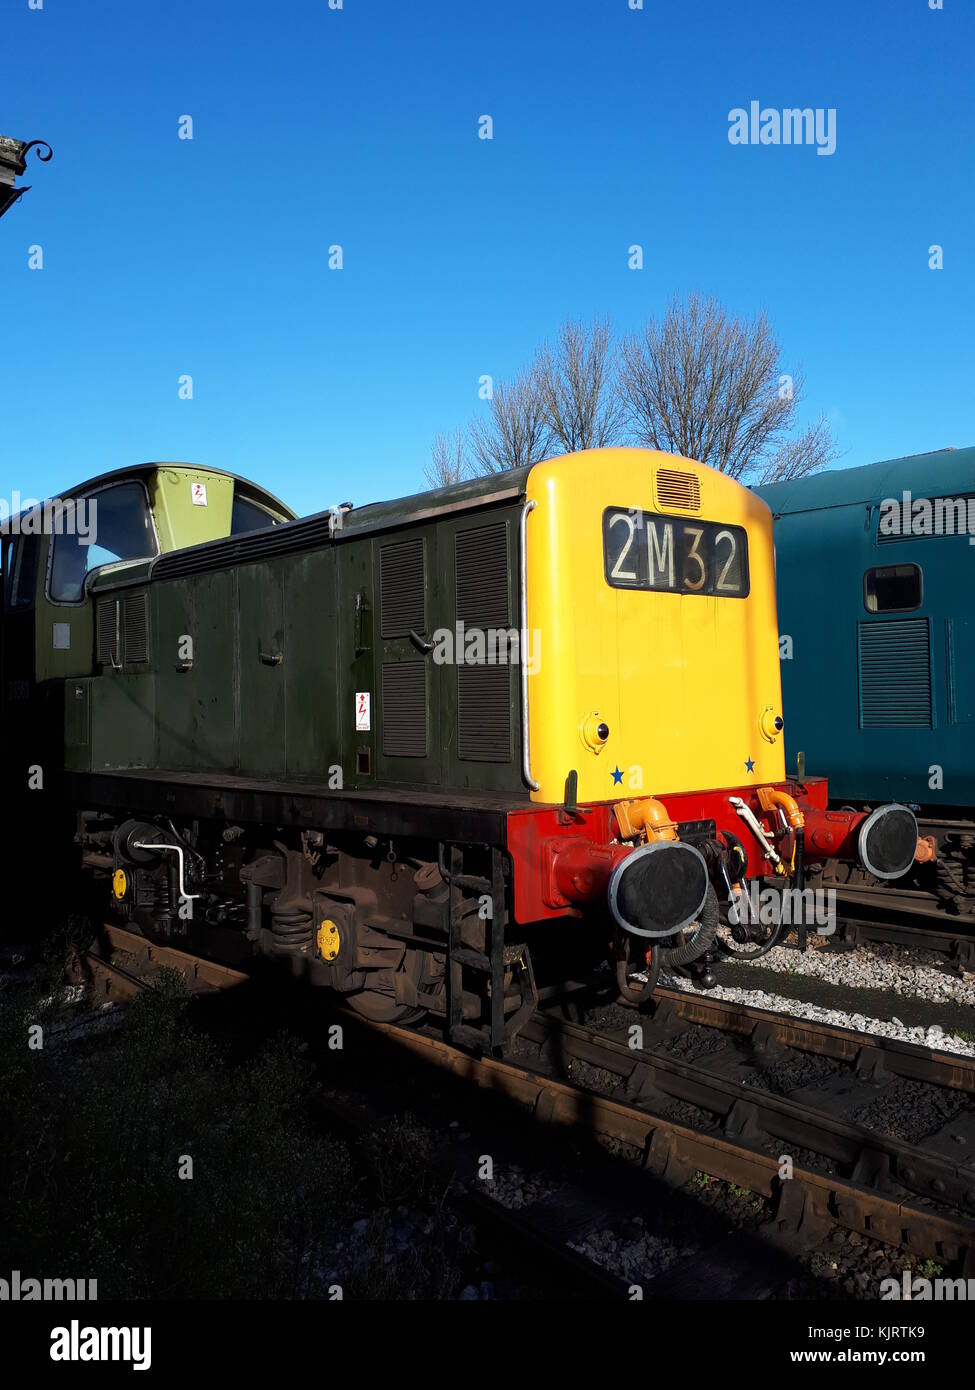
438,499
141,470
315,529
941,472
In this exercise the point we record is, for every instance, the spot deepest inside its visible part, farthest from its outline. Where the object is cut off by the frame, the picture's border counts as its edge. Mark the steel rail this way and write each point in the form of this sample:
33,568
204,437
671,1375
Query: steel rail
754,1113
809,1203
904,1059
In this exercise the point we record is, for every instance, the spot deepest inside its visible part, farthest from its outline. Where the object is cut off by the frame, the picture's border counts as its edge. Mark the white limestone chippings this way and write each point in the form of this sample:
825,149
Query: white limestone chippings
899,970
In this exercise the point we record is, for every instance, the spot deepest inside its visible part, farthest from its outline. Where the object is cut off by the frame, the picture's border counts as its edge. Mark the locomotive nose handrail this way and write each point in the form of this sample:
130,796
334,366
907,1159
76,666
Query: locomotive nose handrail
526,763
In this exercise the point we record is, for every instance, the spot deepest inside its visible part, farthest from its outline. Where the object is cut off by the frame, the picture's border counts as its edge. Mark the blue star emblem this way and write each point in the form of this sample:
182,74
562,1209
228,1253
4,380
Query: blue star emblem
749,765
617,776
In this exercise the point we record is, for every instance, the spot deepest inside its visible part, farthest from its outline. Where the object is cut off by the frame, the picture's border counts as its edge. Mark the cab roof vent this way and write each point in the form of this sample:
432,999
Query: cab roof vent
678,491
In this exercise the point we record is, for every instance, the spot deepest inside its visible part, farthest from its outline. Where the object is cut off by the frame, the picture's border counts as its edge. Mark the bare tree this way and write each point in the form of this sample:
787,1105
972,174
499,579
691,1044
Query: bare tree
577,386
448,461
515,434
809,451
708,385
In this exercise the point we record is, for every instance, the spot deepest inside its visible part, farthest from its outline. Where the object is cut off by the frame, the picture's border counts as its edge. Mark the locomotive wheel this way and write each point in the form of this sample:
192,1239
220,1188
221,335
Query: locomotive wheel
381,1007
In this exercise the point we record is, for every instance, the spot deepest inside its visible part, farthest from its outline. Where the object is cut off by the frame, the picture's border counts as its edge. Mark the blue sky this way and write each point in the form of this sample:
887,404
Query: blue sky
359,127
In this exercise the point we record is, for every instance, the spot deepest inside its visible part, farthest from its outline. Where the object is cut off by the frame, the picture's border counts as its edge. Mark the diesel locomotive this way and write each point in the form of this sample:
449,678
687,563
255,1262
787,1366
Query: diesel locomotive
426,752
881,695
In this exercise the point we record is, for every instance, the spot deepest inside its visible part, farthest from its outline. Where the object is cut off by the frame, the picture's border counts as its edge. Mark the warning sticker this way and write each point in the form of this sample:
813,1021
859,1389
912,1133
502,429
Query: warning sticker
198,494
362,711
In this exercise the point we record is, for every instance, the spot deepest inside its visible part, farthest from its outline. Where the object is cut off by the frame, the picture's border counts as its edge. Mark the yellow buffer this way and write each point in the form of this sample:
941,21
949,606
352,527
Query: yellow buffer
687,682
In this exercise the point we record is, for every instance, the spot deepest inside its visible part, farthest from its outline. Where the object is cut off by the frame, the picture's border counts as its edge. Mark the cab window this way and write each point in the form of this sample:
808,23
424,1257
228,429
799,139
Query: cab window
20,572
111,524
892,588
249,516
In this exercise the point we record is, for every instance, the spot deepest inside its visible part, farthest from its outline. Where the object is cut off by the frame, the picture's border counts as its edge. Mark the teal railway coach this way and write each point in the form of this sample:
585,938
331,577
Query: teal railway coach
875,574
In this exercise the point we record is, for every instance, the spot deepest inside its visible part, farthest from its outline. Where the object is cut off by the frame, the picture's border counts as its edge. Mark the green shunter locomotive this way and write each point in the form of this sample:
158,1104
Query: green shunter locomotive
422,750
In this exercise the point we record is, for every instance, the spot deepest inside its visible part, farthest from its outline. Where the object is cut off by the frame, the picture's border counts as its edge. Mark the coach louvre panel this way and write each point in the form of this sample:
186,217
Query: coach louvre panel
895,674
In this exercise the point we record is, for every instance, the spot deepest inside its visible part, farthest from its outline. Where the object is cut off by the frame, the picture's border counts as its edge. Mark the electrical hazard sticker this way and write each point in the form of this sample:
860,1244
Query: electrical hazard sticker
362,712
198,494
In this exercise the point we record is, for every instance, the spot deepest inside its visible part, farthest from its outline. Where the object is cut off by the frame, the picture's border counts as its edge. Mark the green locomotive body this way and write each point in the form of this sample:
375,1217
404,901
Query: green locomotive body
333,741
273,678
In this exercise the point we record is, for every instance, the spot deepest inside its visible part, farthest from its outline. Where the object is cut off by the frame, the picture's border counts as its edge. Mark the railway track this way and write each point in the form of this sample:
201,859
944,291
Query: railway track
698,1086
911,921
122,965
109,979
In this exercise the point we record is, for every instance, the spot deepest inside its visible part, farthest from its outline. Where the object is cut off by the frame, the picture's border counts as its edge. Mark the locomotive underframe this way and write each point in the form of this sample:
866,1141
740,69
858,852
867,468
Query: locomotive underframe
408,902
414,894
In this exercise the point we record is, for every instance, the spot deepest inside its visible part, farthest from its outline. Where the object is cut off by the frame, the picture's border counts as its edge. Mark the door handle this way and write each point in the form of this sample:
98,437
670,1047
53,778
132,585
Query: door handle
421,643
358,626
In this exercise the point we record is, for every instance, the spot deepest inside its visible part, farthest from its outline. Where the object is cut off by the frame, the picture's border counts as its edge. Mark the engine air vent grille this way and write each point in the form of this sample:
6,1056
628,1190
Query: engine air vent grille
106,632
135,626
484,686
895,674
678,490
484,713
401,588
404,692
481,569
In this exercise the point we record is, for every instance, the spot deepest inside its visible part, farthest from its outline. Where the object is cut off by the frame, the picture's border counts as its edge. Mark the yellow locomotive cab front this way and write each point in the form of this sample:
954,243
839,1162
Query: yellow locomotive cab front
651,607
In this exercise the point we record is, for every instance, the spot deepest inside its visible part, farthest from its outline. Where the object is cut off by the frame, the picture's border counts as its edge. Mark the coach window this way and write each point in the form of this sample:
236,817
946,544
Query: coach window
109,525
892,589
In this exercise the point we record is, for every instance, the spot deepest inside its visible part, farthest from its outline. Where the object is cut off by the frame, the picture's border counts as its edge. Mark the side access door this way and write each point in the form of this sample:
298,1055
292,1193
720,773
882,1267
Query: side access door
406,681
